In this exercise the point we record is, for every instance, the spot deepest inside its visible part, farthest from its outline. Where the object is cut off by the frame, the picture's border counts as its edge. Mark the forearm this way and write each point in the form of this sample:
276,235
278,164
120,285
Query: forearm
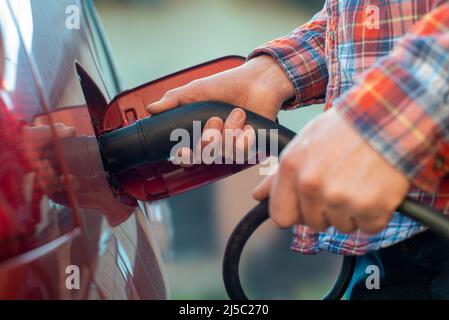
401,105
269,77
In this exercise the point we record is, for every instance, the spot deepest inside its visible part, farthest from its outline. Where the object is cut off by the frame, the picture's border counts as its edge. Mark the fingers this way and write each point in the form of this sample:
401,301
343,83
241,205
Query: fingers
341,221
192,92
170,100
219,139
284,205
236,120
231,131
245,145
262,190
39,133
43,134
372,225
208,136
185,157
210,145
310,196
324,180
62,131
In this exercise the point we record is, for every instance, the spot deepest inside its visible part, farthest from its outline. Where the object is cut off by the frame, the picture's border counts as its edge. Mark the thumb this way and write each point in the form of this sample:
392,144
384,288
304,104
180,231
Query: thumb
170,100
63,131
262,190
194,91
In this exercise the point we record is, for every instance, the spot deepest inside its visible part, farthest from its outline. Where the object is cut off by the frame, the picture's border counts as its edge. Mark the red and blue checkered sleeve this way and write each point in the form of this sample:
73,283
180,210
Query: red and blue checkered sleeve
401,104
301,55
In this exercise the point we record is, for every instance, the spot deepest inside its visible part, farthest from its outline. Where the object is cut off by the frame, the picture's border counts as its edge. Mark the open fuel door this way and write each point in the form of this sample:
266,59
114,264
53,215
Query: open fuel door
148,181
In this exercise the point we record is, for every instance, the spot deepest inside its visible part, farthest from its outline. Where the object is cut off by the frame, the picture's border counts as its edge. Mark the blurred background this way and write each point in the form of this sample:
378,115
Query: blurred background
153,38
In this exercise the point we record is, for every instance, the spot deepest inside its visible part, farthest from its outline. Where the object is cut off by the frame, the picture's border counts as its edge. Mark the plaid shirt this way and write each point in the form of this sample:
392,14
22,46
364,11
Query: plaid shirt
384,64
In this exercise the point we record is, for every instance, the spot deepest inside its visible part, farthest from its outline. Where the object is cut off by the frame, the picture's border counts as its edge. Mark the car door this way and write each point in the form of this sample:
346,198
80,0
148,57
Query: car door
108,242
40,238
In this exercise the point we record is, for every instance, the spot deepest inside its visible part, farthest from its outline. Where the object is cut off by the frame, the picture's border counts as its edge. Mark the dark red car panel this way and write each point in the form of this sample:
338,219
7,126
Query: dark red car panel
67,231
52,220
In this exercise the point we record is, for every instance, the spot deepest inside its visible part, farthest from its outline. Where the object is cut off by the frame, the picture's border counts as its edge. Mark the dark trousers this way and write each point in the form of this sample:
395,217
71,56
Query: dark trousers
417,268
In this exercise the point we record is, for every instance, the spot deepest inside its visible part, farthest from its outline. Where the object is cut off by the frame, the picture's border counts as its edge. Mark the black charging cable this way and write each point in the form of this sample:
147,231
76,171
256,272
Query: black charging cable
148,141
234,248
428,216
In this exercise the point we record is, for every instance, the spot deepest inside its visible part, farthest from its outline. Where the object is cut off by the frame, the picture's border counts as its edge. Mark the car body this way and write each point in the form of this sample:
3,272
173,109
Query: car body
63,234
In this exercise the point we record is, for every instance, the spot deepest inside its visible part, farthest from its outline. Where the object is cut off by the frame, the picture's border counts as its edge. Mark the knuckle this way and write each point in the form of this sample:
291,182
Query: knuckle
310,184
171,93
336,197
364,204
197,87
195,84
287,164
280,218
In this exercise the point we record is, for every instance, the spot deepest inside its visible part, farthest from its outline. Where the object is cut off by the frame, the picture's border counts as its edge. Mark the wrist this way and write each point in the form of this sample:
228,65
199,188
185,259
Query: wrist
268,76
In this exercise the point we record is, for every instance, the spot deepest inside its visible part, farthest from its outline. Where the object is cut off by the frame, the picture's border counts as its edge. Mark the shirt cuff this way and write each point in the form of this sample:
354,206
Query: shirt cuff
304,66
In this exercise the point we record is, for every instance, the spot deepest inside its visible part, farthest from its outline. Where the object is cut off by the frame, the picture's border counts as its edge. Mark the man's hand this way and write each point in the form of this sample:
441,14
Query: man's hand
260,85
35,139
329,176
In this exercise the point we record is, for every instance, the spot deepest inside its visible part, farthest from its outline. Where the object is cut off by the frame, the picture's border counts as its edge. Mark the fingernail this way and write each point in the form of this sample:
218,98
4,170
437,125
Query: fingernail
213,123
237,115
